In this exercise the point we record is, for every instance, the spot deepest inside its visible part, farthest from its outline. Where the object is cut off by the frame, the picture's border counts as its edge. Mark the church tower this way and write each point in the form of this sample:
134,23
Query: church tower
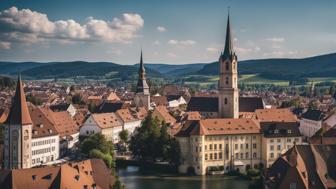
18,132
228,98
142,96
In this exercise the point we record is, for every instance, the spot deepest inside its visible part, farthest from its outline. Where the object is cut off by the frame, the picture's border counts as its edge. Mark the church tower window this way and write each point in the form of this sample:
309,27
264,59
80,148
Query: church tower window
225,100
227,65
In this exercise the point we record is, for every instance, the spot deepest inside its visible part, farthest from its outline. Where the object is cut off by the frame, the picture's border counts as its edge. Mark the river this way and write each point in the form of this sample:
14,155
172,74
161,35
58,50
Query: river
133,178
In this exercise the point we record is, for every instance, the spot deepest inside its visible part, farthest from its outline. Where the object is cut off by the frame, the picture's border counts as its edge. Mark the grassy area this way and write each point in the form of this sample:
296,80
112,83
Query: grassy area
254,79
322,79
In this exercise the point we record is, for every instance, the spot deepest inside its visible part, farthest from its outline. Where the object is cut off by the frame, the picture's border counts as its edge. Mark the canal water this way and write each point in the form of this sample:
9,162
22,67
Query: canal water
133,178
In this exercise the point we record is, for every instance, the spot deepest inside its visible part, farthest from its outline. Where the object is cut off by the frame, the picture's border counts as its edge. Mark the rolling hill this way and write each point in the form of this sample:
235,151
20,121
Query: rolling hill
282,68
274,69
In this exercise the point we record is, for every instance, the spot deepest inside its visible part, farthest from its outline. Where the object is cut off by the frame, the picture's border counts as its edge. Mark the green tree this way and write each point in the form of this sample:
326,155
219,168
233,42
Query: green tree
33,99
124,136
152,142
118,184
107,158
77,99
96,141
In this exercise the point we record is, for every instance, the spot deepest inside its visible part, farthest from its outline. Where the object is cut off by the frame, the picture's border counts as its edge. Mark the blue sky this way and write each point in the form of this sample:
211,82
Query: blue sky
173,31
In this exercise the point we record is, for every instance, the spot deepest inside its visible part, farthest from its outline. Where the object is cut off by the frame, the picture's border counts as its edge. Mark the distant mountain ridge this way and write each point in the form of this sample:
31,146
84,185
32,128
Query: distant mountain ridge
282,68
279,69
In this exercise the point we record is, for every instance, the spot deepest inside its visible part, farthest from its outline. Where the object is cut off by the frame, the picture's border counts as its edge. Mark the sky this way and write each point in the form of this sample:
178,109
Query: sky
173,32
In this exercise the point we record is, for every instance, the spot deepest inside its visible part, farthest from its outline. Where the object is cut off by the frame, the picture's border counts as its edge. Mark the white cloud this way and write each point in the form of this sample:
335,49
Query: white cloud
30,26
247,50
156,42
161,29
276,39
171,55
212,49
181,43
5,45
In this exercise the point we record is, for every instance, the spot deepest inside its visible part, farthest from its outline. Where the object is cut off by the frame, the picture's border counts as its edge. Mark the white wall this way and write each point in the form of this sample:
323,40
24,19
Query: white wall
89,127
130,126
45,149
309,127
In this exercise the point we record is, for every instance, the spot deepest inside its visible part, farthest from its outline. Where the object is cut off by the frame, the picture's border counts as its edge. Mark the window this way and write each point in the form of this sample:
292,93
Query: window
220,155
271,141
210,156
236,155
254,145
215,155
210,147
246,146
241,155
236,146
205,147
227,80
227,65
225,100
254,155
241,146
272,155
279,147
220,146
206,156
196,149
271,147
279,140
215,146
289,140
246,155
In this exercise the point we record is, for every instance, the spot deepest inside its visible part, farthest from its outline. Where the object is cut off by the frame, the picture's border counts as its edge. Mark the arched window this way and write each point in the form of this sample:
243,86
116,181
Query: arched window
227,65
225,100
227,80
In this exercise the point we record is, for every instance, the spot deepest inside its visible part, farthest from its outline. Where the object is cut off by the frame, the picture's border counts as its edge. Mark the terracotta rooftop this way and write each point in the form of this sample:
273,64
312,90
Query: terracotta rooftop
219,127
85,174
275,115
43,125
310,166
165,114
19,113
63,122
106,120
125,115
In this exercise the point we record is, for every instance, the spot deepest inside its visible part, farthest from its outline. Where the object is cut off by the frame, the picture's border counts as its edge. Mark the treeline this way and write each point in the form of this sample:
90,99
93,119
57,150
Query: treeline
6,82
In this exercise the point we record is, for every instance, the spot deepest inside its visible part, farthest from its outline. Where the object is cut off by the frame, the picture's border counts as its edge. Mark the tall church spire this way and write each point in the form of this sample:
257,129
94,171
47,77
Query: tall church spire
142,86
142,72
19,113
228,49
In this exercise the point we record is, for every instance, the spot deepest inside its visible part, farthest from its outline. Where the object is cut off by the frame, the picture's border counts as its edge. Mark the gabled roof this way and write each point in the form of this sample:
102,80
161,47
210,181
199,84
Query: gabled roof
275,115
59,107
89,173
106,120
313,165
219,127
280,129
210,104
315,115
162,110
19,113
108,107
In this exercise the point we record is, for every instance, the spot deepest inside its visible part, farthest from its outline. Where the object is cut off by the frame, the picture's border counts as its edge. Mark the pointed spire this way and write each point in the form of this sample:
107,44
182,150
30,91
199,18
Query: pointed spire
228,40
19,113
141,68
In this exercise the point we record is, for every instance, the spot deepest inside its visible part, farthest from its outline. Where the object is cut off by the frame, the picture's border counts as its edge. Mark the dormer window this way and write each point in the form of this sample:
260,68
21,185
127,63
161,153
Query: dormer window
276,131
289,131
